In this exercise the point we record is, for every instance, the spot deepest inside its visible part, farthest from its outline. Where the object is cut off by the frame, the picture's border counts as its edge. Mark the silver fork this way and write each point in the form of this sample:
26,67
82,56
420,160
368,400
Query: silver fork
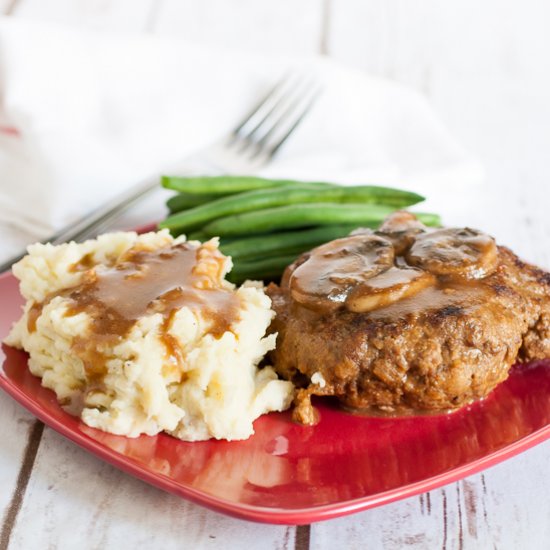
245,149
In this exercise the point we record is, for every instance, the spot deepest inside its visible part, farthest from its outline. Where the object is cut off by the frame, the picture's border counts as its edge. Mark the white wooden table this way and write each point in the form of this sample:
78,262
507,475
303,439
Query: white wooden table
485,67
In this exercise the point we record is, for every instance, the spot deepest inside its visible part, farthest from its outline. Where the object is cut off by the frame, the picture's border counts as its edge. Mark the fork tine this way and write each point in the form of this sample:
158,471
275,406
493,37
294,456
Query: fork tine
288,120
258,107
275,147
285,125
278,103
267,127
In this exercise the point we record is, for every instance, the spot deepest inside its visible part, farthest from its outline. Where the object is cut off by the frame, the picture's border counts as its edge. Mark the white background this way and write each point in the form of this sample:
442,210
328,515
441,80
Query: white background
485,66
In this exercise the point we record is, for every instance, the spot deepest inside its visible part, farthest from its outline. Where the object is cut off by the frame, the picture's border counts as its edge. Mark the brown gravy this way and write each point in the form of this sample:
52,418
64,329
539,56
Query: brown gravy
34,313
145,282
394,285
436,297
85,263
396,411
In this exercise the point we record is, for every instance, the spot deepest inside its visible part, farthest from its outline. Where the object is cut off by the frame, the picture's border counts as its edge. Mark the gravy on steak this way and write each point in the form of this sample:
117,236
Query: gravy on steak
363,272
406,318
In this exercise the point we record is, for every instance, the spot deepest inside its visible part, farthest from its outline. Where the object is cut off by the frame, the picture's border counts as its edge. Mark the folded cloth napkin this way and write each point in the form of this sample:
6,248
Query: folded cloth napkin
84,115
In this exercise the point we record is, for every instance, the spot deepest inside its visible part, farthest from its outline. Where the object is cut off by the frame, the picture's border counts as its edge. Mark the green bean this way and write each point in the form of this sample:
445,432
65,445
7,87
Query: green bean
268,268
183,201
269,198
286,251
280,243
303,215
225,185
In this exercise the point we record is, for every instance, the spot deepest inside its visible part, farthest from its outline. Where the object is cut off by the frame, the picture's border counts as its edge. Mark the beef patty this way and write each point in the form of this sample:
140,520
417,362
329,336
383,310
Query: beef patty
407,319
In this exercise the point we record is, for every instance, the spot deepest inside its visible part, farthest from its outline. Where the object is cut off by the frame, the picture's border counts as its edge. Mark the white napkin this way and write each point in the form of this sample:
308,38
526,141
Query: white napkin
84,115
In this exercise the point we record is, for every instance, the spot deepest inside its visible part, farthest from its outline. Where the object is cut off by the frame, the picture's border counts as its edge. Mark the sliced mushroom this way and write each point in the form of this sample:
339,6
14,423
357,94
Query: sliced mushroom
387,288
401,228
454,253
401,222
332,270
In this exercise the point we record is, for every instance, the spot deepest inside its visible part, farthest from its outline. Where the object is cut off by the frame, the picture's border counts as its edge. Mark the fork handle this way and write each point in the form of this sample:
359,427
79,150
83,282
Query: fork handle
91,222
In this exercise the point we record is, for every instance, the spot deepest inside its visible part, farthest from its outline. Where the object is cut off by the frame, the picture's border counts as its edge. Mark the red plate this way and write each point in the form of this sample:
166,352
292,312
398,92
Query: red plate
291,474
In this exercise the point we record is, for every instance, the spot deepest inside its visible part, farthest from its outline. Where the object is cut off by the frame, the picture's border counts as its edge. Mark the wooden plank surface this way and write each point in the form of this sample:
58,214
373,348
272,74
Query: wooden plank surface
484,511
16,427
485,68
69,488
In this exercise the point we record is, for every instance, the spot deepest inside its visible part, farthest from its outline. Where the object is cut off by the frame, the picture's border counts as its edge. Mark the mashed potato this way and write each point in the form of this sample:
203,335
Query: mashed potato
186,364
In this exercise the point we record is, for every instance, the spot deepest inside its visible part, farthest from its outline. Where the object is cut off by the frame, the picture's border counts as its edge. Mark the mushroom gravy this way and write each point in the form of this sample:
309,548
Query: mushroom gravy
369,271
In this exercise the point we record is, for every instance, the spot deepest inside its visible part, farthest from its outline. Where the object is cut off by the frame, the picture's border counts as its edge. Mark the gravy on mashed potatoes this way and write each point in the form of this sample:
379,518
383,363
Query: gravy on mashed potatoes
141,334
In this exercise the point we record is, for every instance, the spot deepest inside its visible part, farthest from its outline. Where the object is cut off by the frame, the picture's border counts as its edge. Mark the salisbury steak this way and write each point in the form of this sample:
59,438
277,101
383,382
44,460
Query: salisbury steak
407,319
